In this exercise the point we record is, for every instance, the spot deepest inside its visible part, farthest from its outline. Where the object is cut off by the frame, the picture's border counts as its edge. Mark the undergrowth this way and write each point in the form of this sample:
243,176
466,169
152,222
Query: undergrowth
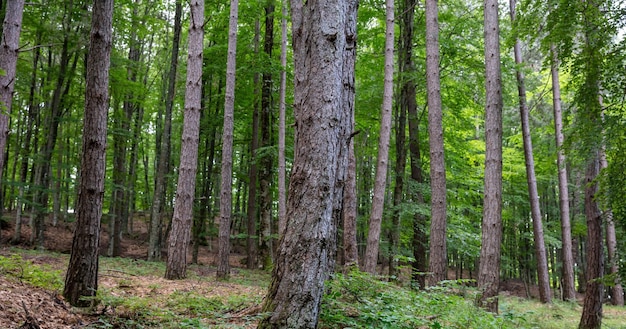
38,275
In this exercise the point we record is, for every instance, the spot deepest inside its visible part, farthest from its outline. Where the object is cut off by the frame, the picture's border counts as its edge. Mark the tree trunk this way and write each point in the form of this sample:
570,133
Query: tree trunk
265,174
617,292
591,317
186,187
82,273
155,243
535,211
438,266
378,199
223,267
282,190
307,249
569,289
11,28
489,268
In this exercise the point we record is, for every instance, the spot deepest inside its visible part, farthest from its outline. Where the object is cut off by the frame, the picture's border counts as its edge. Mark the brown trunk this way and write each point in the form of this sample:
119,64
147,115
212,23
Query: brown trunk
223,267
569,289
378,199
438,266
185,189
543,277
307,249
82,274
591,317
156,222
282,191
489,268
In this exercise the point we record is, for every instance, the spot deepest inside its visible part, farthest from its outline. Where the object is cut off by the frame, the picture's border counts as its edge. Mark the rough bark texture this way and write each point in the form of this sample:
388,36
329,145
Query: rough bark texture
569,289
307,250
11,28
82,274
155,243
489,267
349,209
591,317
223,252
438,261
540,247
378,199
186,187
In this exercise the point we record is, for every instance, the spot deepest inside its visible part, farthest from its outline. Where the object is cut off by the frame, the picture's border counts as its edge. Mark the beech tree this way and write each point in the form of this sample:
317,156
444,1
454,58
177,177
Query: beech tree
489,268
81,279
307,249
185,189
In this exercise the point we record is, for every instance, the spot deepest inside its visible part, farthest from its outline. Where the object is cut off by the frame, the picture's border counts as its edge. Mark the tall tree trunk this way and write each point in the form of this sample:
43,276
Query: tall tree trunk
265,174
378,199
349,209
82,274
489,268
438,266
591,317
569,289
252,240
223,256
282,190
155,243
535,211
186,187
398,190
307,249
9,45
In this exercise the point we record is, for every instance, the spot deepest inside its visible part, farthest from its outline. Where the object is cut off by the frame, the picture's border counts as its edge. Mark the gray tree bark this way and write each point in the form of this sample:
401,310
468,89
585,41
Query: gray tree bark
223,255
282,190
489,267
380,180
307,249
185,189
438,261
81,279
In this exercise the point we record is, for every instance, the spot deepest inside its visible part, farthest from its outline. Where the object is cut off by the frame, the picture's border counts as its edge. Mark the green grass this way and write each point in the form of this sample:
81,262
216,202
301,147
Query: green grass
136,296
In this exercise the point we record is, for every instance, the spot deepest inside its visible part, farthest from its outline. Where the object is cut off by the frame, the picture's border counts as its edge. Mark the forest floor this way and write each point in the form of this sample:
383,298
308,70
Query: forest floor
234,303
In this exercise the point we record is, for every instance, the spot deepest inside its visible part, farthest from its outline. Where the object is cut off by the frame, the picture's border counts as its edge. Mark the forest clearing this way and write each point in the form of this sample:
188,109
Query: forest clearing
133,294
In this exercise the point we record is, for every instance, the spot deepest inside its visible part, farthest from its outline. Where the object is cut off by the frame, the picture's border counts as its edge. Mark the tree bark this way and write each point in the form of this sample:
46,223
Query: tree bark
156,222
569,289
543,277
438,266
489,267
591,317
307,249
378,199
282,190
82,274
186,187
223,266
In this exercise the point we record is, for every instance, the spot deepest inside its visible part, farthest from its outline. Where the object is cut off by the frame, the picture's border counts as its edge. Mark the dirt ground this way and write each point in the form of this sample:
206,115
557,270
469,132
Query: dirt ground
24,306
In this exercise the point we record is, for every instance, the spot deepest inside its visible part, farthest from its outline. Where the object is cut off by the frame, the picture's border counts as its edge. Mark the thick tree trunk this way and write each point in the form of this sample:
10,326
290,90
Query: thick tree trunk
156,223
378,199
82,274
543,277
591,317
438,266
223,266
307,249
489,268
9,45
569,289
186,187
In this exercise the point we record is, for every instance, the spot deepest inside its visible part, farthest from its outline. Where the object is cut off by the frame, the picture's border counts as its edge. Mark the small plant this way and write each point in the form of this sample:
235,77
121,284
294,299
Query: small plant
42,276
